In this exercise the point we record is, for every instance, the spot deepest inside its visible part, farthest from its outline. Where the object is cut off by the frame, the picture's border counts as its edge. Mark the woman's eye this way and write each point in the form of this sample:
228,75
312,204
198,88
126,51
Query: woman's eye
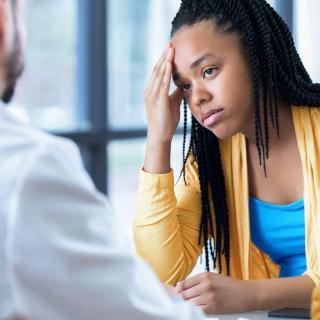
208,72
185,87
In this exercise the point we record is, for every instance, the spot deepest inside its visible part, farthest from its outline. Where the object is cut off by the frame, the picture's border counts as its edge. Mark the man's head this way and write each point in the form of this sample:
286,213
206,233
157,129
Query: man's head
12,44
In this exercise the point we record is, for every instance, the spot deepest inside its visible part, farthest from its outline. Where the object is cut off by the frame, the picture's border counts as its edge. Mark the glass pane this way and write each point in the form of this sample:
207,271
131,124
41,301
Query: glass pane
138,31
46,93
306,21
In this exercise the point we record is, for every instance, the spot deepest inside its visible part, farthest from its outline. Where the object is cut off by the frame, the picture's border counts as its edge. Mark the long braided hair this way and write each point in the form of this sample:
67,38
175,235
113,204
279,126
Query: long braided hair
276,66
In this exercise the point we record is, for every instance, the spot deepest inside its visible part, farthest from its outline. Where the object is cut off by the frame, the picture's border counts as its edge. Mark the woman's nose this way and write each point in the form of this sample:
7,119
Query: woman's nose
200,95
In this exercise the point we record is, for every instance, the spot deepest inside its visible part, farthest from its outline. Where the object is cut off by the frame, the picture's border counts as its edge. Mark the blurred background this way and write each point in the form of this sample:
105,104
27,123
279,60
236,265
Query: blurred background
87,67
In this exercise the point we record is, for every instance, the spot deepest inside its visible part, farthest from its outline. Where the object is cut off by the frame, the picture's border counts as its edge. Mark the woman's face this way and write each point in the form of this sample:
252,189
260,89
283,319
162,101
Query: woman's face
214,75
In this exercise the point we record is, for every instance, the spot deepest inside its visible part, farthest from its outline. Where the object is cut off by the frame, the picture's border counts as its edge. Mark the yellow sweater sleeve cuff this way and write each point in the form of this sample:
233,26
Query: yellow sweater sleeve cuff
315,276
155,197
156,180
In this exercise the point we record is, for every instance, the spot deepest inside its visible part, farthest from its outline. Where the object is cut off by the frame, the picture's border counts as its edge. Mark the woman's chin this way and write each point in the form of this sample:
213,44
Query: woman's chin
221,133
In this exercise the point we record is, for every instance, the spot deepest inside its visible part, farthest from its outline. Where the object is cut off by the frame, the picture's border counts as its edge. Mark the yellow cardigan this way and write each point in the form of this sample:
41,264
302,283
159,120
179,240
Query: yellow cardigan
167,222
315,310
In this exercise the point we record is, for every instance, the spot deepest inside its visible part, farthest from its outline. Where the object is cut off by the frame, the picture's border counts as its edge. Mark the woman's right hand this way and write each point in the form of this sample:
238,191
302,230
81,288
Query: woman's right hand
163,115
163,110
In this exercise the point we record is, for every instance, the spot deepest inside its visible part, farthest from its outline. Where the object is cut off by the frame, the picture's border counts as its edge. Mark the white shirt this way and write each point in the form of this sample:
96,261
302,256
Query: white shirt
62,254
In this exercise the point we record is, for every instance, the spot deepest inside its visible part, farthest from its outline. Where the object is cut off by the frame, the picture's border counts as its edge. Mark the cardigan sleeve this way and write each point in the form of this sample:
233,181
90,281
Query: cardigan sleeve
314,275
166,227
315,309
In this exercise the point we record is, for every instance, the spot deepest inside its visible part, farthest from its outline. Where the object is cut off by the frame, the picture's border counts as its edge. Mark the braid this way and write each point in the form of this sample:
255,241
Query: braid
276,67
199,148
185,127
210,148
243,20
209,165
184,139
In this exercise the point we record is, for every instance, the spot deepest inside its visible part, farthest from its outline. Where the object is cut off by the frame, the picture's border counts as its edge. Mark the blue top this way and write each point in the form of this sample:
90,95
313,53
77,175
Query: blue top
279,231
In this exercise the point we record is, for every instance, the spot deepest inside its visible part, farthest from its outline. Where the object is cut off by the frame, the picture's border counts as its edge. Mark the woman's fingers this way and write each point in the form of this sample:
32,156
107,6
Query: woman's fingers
162,117
163,79
156,70
198,301
164,86
192,292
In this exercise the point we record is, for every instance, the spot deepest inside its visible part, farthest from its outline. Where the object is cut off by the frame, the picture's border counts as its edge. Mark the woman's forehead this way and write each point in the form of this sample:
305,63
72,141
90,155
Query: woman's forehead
192,42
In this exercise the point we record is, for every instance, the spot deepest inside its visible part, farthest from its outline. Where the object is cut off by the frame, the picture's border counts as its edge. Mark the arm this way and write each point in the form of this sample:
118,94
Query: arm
292,292
216,293
66,256
166,227
166,224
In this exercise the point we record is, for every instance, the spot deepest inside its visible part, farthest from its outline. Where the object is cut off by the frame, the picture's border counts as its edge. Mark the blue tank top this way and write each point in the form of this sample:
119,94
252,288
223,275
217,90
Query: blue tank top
279,231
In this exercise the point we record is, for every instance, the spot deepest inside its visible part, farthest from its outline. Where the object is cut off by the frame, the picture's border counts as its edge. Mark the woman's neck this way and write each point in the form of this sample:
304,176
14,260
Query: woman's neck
286,128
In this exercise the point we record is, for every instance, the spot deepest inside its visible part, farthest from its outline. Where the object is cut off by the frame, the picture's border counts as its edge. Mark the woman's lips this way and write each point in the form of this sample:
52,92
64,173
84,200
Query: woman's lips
211,117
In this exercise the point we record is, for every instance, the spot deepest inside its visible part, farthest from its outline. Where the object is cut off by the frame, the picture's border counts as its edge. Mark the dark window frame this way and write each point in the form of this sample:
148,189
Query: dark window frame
93,92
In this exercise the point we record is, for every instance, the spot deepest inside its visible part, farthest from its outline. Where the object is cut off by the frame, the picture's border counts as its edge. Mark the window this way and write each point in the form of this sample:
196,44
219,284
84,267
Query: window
46,95
137,35
138,31
306,22
86,82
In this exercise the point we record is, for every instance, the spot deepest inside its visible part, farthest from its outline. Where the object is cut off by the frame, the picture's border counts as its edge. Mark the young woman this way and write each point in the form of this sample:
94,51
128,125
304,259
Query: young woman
250,192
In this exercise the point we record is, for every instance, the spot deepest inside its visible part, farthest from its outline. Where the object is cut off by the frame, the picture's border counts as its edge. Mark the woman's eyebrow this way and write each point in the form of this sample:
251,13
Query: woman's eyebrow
194,64
201,59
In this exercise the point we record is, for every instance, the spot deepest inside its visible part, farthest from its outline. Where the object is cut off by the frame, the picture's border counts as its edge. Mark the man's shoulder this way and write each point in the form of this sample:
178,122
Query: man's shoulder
20,143
22,137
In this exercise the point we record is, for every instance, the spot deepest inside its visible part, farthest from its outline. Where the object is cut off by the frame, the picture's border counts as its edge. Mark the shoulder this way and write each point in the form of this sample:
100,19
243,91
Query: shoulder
307,121
23,138
306,112
23,146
